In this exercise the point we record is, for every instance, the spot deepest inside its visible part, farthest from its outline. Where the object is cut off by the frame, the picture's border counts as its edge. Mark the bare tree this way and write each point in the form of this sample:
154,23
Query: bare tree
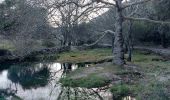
120,6
67,15
22,25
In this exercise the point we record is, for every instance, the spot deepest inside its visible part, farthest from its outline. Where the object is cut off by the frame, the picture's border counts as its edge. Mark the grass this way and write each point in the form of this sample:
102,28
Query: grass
7,45
84,56
144,88
153,66
90,81
151,63
44,57
119,91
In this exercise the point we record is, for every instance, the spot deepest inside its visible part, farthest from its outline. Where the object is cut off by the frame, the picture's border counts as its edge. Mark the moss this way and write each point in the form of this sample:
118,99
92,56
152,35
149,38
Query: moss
91,81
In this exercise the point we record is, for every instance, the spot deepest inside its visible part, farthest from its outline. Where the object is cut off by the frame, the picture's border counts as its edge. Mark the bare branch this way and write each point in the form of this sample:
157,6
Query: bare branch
107,3
80,5
147,20
135,3
104,34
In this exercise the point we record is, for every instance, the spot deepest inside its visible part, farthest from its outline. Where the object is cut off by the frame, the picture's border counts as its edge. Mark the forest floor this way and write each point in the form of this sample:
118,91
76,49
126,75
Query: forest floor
147,76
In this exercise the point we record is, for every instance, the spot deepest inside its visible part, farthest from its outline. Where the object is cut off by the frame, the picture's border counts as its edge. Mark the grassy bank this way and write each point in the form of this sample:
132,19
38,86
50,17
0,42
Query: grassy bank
85,55
146,77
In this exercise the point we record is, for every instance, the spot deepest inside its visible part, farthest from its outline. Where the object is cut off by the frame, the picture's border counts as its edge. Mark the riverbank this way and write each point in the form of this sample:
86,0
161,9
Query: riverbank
147,76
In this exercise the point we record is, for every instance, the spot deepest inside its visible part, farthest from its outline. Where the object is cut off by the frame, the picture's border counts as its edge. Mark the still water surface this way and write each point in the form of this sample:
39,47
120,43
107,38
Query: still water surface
39,81
36,81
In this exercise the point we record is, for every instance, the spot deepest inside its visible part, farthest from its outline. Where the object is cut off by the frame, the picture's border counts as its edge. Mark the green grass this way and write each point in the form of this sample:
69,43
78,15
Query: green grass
45,57
144,88
153,67
91,55
91,81
85,56
120,90
151,63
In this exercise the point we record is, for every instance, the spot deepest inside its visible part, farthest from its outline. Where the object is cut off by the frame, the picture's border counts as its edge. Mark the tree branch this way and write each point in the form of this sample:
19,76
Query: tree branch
147,20
79,5
135,3
104,34
107,3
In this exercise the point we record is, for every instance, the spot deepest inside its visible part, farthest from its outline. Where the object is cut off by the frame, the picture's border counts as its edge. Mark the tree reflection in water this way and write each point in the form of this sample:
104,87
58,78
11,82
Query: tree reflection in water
29,75
31,80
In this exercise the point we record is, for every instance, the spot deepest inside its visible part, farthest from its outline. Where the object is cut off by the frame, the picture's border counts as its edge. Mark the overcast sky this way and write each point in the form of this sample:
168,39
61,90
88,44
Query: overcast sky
1,1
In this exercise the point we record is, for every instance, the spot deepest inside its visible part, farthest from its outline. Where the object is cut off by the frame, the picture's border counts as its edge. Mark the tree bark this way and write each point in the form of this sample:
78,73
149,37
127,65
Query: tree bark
130,42
163,35
118,53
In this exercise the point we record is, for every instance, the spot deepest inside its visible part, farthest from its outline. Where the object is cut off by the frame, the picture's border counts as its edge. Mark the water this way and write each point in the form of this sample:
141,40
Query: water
39,81
35,81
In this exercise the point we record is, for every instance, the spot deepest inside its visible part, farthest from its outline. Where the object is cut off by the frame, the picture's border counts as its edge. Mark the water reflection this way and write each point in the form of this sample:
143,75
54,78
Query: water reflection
129,98
32,81
68,93
29,75
39,81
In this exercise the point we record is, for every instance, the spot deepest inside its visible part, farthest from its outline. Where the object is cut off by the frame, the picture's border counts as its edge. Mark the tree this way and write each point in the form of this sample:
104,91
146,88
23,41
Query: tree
66,16
120,6
162,10
23,24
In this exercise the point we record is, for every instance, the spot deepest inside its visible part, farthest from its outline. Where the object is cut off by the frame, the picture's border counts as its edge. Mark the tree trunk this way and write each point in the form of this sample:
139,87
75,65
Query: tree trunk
163,40
118,52
113,39
130,42
162,29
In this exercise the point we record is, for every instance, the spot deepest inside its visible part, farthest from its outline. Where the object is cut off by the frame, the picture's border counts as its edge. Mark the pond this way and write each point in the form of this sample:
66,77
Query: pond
40,81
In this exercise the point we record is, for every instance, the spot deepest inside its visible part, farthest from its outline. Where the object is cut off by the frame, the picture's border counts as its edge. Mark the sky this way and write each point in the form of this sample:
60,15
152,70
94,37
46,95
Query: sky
93,15
1,1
